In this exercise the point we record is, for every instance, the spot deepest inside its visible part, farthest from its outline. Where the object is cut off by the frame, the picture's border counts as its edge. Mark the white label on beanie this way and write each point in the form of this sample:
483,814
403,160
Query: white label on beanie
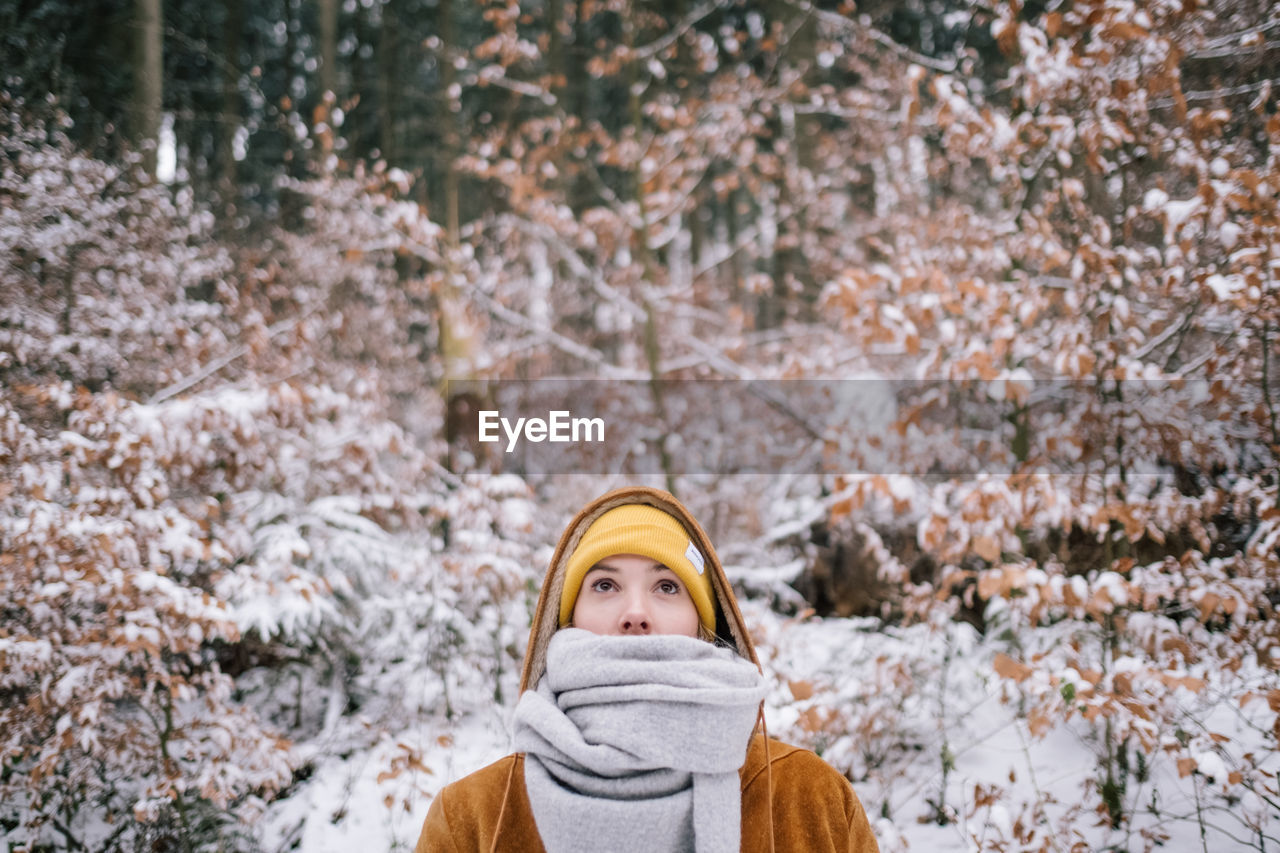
693,555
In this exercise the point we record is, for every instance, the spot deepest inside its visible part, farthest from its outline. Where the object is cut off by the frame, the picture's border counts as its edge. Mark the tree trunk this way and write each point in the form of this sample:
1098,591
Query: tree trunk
652,341
230,119
291,203
327,25
801,133
388,88
449,76
148,79
555,50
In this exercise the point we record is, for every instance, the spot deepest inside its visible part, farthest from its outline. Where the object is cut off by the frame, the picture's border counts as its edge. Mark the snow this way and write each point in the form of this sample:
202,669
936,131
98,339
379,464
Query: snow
1224,287
1178,212
390,658
348,806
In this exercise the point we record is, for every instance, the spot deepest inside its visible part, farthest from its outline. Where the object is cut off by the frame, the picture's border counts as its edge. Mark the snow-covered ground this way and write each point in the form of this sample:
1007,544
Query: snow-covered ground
890,706
906,700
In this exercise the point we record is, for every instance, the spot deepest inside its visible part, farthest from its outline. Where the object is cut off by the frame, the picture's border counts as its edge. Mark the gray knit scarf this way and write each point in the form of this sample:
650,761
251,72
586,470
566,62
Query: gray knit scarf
634,743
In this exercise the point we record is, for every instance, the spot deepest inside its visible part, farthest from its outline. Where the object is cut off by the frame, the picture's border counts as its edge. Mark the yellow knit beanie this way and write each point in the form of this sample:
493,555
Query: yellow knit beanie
647,531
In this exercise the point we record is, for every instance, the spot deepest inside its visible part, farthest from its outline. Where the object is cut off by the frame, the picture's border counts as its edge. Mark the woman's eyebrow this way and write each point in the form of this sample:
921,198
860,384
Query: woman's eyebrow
655,567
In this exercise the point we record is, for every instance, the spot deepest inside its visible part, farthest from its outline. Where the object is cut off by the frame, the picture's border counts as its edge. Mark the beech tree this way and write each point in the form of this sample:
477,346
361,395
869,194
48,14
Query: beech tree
202,512
241,565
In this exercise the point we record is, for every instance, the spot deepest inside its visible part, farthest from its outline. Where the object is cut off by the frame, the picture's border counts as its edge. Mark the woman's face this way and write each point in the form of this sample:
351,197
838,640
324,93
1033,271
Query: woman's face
630,594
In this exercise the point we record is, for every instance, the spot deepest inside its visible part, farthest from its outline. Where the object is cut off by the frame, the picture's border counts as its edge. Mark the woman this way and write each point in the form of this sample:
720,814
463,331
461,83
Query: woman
640,725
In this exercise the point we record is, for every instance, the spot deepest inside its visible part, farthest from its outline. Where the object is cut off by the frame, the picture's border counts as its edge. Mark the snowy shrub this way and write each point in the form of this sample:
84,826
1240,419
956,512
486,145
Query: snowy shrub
222,560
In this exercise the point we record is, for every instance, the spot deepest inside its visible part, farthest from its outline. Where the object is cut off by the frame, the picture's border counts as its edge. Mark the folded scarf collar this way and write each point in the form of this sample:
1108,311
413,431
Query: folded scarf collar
634,743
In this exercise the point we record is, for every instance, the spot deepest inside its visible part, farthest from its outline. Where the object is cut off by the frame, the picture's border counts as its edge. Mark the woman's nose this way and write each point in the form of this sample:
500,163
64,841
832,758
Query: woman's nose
635,619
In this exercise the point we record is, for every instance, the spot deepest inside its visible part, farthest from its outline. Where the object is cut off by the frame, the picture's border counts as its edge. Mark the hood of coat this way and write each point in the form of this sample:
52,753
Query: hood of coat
729,623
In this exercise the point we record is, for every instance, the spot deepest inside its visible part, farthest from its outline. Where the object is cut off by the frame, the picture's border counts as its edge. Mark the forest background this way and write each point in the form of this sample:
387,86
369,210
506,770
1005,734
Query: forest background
252,596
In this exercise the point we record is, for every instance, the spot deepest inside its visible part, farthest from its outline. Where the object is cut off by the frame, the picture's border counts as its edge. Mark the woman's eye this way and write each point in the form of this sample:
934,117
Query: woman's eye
669,587
602,585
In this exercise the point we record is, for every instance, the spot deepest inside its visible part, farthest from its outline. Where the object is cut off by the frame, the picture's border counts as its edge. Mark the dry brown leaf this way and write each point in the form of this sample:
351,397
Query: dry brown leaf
1038,722
1010,668
801,690
987,548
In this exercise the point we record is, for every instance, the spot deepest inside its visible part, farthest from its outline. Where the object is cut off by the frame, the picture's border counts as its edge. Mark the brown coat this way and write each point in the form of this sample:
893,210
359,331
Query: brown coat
813,807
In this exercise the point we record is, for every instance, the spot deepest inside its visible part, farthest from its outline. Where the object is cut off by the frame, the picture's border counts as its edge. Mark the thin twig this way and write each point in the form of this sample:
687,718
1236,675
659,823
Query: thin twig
856,28
1204,841
1035,785
1191,367
1234,38
1230,50
1209,94
551,336
219,363
1168,332
1266,382
680,28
